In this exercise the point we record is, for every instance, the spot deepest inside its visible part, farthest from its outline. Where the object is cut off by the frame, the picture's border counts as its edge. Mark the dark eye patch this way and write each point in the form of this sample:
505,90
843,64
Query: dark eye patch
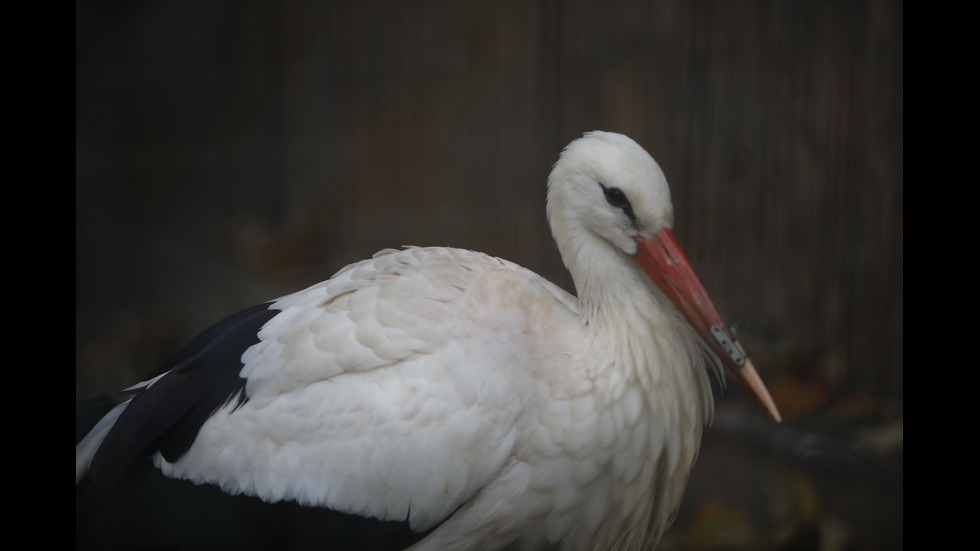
616,198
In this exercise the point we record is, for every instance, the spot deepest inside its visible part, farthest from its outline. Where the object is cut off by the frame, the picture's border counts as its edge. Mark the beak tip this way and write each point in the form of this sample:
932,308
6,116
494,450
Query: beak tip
754,383
775,414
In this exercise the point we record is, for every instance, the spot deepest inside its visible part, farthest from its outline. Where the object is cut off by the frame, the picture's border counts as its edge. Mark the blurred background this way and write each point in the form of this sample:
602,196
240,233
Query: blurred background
229,152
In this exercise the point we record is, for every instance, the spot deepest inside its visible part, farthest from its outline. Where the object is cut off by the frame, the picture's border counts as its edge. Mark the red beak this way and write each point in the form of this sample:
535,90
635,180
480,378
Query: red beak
665,262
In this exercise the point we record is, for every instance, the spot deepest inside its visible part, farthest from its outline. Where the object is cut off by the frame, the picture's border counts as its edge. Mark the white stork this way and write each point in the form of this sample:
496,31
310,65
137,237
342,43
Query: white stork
434,398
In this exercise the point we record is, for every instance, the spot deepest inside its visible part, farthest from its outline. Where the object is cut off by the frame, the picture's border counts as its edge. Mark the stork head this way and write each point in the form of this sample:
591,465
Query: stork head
608,186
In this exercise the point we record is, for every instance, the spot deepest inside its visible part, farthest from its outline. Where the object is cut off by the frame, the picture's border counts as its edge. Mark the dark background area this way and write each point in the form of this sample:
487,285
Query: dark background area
229,152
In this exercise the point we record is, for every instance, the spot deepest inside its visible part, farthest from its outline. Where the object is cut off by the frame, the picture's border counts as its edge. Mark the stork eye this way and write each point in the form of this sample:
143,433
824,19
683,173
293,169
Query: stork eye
616,198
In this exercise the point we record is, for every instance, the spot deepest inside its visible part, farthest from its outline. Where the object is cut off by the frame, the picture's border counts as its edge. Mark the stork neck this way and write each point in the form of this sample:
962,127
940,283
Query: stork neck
635,332
614,293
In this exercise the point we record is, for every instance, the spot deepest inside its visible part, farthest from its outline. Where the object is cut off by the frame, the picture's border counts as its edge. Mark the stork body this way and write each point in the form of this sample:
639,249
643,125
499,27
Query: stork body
438,398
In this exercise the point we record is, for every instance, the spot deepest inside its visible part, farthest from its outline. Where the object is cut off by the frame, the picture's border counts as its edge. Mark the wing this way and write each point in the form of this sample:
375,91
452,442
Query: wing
185,392
393,391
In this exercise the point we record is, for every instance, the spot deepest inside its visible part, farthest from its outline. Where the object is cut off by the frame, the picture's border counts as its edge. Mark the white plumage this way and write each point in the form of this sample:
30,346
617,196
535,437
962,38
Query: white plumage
458,392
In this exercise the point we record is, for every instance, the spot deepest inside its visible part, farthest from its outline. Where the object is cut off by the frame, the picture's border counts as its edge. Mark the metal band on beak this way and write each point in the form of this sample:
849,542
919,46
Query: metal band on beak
731,347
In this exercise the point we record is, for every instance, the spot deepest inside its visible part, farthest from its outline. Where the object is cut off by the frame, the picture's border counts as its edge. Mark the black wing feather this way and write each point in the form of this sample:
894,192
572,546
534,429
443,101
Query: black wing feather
167,416
127,503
